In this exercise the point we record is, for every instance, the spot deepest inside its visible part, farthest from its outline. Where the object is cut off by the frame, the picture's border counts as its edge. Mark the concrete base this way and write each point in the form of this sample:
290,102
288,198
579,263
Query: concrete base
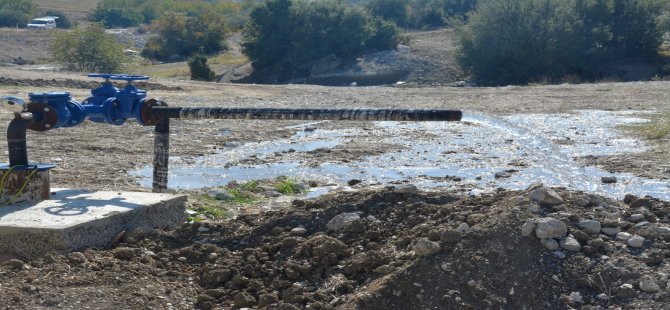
75,219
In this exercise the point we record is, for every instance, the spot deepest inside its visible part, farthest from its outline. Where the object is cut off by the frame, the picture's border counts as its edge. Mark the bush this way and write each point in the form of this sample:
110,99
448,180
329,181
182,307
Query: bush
184,36
519,41
25,6
289,35
110,14
200,69
13,18
89,50
62,22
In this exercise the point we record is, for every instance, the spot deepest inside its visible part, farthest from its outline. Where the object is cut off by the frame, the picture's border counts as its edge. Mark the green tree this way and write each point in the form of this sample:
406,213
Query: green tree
185,36
393,10
25,6
62,22
89,50
518,41
289,35
15,13
115,13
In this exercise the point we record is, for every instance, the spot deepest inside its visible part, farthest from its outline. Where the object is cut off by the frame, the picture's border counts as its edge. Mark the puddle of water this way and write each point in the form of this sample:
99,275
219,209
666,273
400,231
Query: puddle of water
474,150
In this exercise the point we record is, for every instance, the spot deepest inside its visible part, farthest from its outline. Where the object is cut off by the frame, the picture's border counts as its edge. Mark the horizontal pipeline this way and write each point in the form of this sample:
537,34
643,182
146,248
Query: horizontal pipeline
309,114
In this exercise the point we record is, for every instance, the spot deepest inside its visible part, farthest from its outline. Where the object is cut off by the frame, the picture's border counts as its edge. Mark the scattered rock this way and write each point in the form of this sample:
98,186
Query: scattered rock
570,244
353,182
502,175
298,231
426,247
636,217
590,225
76,258
626,290
244,299
623,236
408,189
450,236
216,277
576,298
546,196
342,220
549,244
464,227
272,194
548,227
534,186
610,231
608,179
527,228
636,241
647,284
582,202
124,253
220,195
519,200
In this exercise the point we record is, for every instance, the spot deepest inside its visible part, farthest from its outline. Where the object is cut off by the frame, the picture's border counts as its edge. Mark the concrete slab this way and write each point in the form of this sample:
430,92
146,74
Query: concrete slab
75,219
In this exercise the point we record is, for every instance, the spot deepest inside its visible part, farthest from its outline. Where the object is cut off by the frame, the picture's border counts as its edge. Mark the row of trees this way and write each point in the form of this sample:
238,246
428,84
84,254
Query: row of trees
17,13
419,14
288,35
520,41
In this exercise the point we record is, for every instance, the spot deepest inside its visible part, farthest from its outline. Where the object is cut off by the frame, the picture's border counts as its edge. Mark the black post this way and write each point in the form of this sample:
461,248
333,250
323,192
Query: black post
16,139
161,155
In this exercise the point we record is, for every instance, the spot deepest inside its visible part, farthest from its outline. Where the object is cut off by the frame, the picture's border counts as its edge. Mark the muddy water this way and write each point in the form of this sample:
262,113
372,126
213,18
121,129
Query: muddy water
481,152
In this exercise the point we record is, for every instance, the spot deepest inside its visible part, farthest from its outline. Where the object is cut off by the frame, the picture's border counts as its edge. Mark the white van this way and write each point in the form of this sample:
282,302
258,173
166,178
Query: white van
46,22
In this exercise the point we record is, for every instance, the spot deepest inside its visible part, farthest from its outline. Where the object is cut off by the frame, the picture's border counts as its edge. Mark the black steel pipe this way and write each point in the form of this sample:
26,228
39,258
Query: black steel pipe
310,114
16,139
164,113
161,155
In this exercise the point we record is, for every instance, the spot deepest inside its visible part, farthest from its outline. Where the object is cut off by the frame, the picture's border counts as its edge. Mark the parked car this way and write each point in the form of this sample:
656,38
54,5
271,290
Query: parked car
46,22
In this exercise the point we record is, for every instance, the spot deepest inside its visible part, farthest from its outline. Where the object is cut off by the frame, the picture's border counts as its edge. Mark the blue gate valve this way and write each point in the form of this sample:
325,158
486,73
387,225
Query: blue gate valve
107,104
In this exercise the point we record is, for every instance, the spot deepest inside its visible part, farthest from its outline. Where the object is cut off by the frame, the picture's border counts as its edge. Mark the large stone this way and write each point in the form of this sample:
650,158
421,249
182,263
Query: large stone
647,284
570,244
546,196
549,244
590,225
426,247
71,220
527,228
548,227
636,241
342,220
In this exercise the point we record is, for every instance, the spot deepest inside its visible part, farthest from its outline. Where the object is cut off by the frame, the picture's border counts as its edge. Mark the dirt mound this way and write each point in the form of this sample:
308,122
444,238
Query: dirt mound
359,250
72,83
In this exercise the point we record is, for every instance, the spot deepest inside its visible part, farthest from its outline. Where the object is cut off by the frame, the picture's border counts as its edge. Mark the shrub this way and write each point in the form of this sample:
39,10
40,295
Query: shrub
62,22
200,69
89,49
519,41
185,36
25,6
111,17
13,18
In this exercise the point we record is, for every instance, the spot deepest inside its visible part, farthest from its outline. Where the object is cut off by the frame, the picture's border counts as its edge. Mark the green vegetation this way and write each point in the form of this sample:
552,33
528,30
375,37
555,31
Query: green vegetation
199,68
421,13
183,36
288,35
116,13
15,13
62,22
656,129
288,186
521,41
89,50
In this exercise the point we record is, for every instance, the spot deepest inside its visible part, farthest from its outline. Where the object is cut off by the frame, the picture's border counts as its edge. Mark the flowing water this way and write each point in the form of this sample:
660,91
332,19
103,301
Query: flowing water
520,149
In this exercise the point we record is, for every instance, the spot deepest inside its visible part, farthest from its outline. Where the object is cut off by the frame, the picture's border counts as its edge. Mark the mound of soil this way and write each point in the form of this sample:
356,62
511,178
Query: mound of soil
374,249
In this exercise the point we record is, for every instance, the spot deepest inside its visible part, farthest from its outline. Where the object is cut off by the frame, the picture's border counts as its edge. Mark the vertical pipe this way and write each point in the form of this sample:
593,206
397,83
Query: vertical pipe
16,139
161,155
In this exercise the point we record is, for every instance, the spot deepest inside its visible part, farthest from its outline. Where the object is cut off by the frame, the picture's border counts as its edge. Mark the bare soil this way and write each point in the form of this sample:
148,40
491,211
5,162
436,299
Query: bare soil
261,261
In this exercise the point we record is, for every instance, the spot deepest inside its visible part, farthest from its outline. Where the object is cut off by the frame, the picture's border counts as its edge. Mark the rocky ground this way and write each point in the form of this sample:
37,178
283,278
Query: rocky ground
385,248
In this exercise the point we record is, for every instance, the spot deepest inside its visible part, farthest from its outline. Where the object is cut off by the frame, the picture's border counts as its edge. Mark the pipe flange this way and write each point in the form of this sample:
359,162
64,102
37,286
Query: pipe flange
146,117
45,116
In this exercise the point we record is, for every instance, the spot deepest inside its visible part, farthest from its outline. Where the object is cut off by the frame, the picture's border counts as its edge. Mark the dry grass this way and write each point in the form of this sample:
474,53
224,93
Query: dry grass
67,5
657,129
